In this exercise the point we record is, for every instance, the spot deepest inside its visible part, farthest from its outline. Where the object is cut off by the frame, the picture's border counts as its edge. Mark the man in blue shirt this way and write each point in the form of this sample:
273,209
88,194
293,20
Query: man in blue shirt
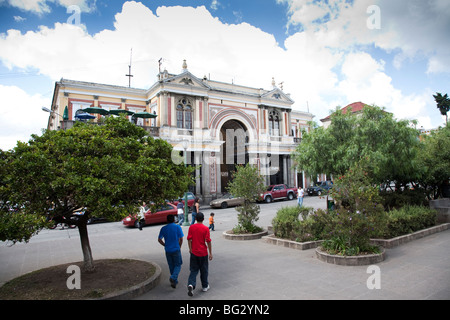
171,237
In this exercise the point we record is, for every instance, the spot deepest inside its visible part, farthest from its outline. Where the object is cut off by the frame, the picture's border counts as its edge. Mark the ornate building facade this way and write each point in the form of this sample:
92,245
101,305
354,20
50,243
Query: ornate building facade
219,125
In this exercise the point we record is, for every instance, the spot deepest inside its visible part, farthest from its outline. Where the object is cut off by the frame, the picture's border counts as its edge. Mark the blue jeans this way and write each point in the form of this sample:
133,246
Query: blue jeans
193,217
300,201
175,261
198,264
180,218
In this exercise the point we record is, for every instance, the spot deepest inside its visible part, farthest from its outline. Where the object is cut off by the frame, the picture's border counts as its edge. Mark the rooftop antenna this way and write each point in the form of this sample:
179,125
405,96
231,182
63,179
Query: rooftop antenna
129,75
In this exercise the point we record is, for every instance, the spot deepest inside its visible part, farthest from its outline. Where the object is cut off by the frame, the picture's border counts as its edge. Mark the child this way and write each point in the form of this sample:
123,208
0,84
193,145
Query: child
211,221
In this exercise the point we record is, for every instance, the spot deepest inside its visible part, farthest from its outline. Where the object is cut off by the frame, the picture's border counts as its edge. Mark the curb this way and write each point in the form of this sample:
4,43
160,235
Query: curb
394,242
250,236
272,239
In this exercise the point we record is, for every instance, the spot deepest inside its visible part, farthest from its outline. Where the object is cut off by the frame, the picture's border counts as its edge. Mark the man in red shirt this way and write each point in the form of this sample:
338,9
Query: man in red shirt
199,242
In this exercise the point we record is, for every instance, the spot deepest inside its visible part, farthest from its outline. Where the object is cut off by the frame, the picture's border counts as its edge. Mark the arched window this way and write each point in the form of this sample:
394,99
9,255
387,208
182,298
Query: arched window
184,114
274,123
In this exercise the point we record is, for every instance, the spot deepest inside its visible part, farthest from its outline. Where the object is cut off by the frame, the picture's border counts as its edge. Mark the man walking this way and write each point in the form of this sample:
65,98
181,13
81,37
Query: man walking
171,238
199,242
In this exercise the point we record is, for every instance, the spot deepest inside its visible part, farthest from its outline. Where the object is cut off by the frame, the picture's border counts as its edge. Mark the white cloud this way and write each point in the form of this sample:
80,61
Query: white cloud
19,18
20,115
324,65
42,6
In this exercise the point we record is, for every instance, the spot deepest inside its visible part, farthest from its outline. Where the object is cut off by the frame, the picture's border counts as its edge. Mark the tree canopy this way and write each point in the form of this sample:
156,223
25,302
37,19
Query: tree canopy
390,146
107,169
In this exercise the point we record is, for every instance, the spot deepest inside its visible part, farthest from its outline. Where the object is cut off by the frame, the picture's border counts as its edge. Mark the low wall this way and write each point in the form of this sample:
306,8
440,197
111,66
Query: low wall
390,243
442,206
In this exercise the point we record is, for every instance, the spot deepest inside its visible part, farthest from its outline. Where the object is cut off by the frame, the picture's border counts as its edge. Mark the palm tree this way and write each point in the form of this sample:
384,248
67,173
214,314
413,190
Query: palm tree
443,104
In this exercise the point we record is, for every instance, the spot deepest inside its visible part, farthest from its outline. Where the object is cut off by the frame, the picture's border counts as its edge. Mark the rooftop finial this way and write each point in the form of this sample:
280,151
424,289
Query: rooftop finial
273,82
184,65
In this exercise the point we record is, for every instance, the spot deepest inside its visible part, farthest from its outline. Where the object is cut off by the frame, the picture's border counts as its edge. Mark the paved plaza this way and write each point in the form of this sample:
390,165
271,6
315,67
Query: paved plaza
248,270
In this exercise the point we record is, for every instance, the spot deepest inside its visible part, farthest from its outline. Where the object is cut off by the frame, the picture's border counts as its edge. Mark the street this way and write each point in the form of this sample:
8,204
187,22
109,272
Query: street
114,240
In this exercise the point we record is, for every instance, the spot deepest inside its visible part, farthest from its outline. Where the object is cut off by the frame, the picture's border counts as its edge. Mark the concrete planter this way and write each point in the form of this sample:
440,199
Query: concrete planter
350,260
247,236
272,239
394,242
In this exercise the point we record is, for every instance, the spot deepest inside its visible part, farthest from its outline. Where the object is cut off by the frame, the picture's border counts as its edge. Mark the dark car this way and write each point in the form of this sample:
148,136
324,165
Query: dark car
320,188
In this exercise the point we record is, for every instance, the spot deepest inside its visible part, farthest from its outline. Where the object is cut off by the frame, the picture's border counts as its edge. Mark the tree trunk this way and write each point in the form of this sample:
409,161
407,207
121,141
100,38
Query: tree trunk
85,246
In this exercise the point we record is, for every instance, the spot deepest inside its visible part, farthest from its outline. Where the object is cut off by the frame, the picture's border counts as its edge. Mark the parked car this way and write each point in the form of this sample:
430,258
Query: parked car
159,216
226,201
320,188
278,191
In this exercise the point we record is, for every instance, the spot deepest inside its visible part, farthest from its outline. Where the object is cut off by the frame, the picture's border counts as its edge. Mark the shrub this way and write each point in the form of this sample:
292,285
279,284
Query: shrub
288,225
409,219
359,214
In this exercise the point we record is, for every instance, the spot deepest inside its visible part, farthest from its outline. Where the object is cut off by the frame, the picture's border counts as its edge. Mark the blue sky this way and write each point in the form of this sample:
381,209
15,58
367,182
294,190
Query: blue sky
326,53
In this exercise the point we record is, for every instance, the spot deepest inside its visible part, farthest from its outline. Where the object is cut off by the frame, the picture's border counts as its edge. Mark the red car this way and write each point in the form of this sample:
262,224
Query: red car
160,216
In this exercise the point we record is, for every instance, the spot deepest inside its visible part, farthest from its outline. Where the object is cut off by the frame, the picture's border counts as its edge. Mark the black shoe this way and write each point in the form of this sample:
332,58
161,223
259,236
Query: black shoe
173,284
190,290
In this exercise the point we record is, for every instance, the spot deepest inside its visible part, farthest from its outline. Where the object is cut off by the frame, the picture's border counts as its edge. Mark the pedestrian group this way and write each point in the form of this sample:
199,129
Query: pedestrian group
199,243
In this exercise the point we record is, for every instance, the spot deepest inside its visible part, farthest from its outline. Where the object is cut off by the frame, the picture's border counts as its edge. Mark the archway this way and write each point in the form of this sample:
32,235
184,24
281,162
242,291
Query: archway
233,151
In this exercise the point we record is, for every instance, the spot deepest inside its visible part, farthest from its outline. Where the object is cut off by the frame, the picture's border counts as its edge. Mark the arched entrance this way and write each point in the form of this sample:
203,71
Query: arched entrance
233,151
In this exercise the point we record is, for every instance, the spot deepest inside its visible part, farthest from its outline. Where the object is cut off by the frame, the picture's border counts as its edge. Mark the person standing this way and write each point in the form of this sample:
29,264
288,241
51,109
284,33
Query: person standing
141,216
300,194
195,209
199,242
211,221
171,238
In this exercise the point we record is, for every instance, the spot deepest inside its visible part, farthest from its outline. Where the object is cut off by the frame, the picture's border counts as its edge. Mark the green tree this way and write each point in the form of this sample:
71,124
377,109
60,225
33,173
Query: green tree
248,184
390,146
434,161
358,215
108,170
443,104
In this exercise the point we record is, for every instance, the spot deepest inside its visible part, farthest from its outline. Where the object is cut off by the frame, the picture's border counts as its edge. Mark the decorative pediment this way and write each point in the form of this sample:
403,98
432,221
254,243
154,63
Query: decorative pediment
278,95
187,79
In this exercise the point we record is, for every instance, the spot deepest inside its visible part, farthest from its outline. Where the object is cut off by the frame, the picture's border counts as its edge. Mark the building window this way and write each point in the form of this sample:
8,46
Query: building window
274,123
184,114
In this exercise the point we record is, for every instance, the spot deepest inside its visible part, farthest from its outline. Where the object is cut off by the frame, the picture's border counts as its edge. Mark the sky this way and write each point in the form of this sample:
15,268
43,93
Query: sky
326,54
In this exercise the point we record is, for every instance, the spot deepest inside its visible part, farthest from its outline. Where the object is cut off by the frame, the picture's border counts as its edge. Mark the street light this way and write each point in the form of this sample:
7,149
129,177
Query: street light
185,145
51,111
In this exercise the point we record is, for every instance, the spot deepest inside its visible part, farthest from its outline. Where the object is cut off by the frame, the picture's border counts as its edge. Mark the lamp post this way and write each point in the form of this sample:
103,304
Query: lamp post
185,144
51,111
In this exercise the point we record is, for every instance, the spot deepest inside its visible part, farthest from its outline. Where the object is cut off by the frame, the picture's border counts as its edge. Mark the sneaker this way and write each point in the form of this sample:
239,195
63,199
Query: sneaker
205,289
173,283
190,290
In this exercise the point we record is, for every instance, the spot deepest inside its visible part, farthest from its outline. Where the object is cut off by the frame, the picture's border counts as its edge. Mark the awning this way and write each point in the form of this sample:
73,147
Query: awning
145,115
96,110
